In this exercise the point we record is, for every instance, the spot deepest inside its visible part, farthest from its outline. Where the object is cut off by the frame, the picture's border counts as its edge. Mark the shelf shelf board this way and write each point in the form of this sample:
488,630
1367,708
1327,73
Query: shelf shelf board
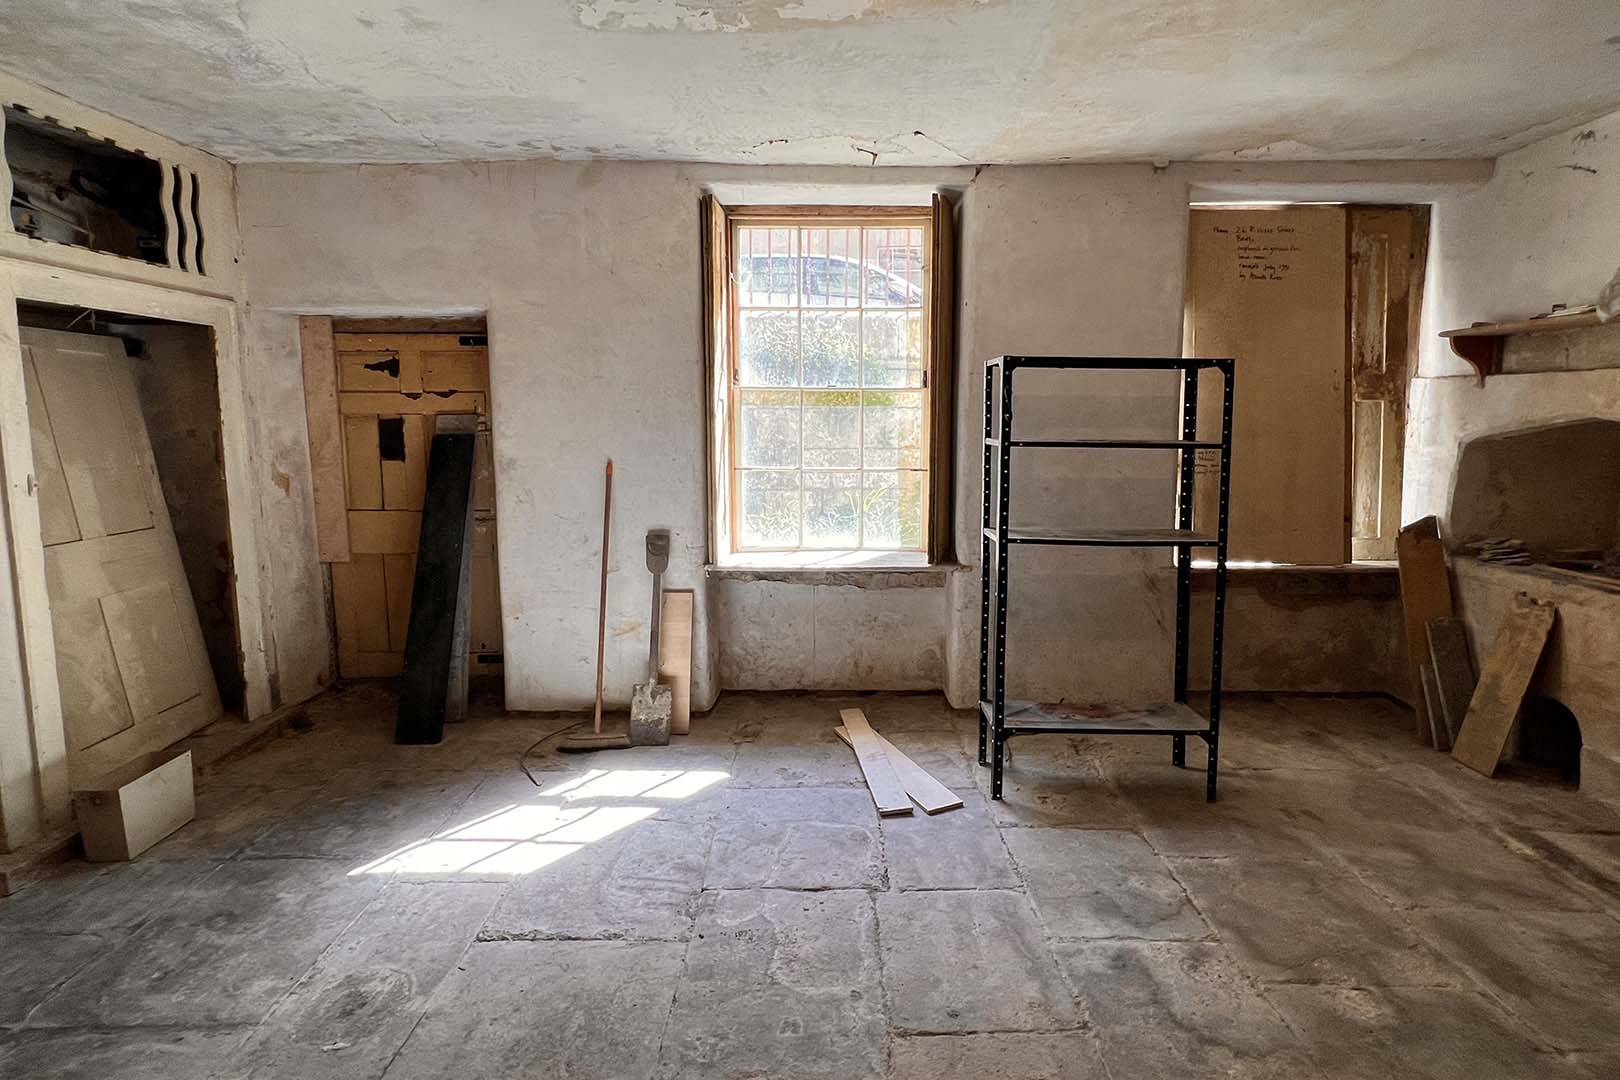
1106,537
1114,444
1115,363
1035,718
1481,344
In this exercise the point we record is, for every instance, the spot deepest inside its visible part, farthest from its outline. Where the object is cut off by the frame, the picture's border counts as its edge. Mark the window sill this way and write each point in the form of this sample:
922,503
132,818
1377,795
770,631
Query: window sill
1361,578
863,569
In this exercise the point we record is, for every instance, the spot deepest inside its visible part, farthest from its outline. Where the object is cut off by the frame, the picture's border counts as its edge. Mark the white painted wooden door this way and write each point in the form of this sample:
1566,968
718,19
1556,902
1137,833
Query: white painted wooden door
129,650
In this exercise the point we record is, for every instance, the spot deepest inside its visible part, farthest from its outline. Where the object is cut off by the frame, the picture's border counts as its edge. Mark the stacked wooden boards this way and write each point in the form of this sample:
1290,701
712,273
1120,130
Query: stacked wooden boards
1504,678
894,779
1425,595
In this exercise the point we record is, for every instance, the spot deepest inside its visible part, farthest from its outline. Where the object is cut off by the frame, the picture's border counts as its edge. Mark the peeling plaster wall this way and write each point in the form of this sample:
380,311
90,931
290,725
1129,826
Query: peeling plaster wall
1544,230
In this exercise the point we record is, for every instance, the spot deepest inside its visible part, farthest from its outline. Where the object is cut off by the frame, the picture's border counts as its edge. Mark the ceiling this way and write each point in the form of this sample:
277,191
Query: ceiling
895,82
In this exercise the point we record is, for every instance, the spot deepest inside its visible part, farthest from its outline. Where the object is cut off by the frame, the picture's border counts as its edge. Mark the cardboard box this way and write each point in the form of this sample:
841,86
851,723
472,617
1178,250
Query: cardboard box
130,809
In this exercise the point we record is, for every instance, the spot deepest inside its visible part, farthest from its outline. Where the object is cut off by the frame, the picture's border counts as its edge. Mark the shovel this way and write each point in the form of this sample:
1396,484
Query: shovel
651,702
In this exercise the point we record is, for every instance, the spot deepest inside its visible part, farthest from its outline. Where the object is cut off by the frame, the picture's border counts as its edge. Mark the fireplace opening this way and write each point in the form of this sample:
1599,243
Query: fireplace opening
1546,495
1549,741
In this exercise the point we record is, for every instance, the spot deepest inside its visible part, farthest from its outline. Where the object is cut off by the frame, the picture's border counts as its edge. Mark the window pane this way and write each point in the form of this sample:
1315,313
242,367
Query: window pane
768,348
832,509
770,509
832,429
832,345
892,348
832,267
893,429
770,428
767,267
894,268
894,509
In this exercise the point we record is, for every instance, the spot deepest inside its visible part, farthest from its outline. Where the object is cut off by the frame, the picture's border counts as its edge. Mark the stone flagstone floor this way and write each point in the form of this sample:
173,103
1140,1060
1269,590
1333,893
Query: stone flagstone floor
731,906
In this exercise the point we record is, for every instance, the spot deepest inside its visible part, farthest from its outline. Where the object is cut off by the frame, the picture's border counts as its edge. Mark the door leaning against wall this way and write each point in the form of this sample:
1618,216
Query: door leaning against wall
390,387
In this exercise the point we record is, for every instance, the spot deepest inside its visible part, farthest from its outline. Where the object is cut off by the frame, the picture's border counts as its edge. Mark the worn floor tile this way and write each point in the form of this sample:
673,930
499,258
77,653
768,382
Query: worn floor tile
34,963
1164,1009
158,1053
1098,883
537,1010
89,896
1304,921
640,881
1412,1034
1253,814
361,819
1049,780
1542,965
954,849
779,983
798,838
220,958
969,961
1418,867
1024,1055
350,1014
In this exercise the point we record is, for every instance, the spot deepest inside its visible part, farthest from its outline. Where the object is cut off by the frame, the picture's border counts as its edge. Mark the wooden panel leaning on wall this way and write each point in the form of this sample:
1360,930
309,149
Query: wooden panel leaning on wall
388,388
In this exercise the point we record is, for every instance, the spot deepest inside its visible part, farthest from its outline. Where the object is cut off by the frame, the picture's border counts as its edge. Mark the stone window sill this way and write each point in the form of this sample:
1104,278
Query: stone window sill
868,570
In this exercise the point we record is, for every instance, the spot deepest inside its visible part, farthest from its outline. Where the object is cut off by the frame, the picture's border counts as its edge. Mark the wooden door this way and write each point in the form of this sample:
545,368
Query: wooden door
390,389
1267,286
130,657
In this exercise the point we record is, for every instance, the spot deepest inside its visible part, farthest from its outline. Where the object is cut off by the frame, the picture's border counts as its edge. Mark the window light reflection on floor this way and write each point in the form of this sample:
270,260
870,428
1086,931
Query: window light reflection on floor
521,838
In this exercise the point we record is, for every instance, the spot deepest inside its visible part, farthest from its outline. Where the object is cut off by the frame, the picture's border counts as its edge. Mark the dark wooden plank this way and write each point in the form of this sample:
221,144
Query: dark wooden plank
1453,665
1425,595
433,688
1504,676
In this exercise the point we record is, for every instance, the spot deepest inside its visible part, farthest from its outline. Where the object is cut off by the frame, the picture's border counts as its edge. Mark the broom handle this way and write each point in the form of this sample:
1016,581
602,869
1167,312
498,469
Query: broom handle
601,603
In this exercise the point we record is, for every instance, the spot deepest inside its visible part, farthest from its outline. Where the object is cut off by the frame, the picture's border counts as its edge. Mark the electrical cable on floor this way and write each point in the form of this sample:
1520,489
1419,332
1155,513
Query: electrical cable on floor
523,758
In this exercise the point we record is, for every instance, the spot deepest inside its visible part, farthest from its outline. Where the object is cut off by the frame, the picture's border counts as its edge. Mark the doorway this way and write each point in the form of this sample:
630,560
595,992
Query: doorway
126,432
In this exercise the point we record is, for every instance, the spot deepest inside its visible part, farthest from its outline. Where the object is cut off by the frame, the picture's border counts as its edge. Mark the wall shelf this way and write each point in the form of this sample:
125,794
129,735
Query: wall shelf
1481,344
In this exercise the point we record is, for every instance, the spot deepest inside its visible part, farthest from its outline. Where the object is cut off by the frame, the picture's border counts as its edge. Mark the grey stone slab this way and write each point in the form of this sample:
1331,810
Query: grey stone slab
229,818
123,1054
364,819
1259,732
940,753
1597,1066
1593,858
816,761
1412,1034
779,983
1543,965
1014,1056
34,963
796,838
1050,780
586,1010
1304,921
641,881
220,958
86,896
353,1011
954,849
1417,867
1164,1009
968,962
1099,883
1255,814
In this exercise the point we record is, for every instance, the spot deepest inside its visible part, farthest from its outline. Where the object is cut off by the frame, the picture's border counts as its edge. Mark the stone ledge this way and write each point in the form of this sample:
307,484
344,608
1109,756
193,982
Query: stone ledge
876,577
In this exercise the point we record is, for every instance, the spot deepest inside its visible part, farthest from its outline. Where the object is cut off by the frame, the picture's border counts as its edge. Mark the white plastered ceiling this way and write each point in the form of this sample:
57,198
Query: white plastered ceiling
902,82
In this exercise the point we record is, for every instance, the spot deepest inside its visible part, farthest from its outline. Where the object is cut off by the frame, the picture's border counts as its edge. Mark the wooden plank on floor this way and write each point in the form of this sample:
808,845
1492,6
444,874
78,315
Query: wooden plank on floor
928,793
1425,595
1453,664
884,785
1504,676
675,656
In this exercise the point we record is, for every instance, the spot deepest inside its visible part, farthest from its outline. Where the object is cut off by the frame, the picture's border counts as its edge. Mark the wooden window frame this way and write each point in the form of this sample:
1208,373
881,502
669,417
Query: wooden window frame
724,391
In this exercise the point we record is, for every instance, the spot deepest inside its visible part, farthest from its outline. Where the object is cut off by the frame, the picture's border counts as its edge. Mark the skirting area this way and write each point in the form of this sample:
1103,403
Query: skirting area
731,906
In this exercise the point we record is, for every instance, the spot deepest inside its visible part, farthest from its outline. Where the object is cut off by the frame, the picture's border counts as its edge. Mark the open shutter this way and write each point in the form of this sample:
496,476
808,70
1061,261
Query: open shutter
716,299
942,380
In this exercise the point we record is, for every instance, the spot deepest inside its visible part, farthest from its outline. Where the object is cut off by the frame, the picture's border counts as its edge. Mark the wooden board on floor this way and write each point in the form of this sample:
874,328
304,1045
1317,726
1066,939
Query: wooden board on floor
887,791
1453,666
675,656
928,793
1425,595
1504,676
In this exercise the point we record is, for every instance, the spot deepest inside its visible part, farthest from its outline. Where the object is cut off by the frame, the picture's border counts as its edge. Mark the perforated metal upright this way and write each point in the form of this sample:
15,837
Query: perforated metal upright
1000,719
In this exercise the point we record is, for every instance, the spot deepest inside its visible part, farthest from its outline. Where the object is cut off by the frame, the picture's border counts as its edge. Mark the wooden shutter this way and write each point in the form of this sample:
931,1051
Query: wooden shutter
941,380
716,300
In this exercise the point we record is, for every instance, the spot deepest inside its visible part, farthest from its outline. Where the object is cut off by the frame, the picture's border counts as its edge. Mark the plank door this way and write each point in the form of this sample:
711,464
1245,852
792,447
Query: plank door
130,658
390,389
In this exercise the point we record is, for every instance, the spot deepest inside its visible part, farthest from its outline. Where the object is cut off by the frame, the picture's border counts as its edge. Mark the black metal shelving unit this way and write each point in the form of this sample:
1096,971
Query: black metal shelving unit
1001,719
